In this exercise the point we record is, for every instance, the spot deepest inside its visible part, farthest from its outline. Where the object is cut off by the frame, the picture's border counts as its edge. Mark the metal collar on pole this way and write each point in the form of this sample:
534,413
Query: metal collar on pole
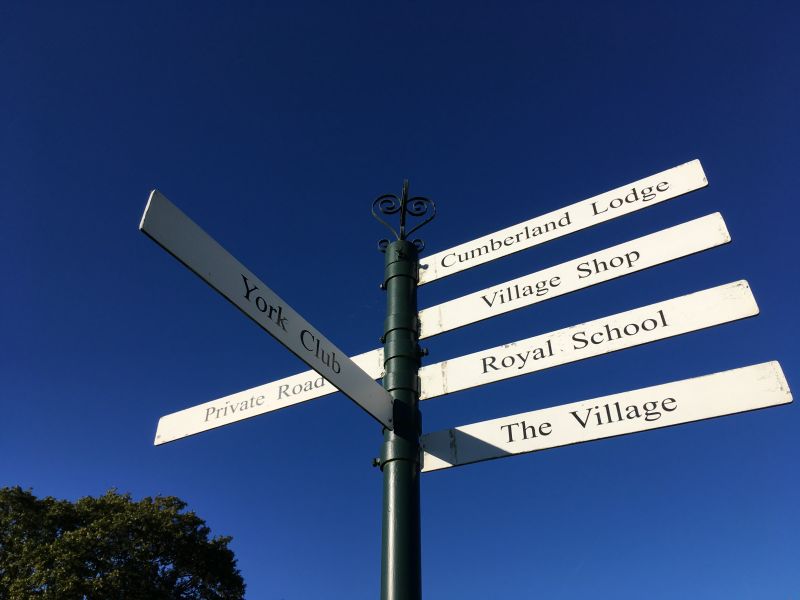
400,454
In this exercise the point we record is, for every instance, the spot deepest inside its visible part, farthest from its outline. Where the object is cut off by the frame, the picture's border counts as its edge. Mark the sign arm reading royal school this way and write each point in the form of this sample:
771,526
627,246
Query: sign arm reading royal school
728,392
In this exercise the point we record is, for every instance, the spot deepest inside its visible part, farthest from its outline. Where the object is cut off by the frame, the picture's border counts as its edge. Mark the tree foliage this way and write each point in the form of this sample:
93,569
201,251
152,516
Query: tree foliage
110,547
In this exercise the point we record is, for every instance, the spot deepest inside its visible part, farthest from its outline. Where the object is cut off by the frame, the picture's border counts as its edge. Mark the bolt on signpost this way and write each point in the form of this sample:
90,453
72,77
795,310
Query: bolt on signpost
401,577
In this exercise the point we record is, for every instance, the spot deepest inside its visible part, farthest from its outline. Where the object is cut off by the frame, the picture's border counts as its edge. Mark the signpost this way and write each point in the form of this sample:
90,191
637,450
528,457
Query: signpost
405,382
726,393
642,253
165,224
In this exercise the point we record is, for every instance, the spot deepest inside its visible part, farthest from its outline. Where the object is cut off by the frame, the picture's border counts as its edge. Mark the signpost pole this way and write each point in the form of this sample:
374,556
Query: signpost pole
401,573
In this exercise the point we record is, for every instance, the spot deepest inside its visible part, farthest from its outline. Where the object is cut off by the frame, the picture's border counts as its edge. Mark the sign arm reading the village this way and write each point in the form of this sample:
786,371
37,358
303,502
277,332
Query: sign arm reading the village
725,393
180,236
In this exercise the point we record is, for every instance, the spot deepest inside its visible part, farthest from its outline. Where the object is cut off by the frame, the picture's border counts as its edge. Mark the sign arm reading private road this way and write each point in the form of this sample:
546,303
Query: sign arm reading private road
169,227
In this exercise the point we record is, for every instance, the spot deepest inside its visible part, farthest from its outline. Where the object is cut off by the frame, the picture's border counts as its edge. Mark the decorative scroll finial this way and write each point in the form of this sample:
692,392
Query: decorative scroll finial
389,204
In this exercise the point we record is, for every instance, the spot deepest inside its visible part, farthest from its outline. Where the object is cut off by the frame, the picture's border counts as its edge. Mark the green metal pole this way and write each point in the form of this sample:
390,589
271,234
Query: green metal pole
401,571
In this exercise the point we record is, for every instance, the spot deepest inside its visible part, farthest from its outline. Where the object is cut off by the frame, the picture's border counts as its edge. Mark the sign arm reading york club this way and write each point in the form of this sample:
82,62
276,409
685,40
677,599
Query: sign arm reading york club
170,228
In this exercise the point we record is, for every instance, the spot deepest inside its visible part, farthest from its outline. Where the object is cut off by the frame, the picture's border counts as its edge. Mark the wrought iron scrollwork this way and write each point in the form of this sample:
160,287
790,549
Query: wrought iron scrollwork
418,206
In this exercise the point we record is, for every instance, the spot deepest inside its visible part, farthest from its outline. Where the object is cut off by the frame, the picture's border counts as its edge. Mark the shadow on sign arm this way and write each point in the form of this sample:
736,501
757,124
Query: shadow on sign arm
454,447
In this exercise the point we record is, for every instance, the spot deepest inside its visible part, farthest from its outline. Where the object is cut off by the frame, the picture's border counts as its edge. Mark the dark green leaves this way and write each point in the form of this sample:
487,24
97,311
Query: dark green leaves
111,547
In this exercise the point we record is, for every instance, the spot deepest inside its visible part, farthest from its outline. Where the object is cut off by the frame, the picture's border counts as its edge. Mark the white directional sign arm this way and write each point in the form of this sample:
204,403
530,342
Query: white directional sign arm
620,260
657,321
256,401
181,237
592,211
725,393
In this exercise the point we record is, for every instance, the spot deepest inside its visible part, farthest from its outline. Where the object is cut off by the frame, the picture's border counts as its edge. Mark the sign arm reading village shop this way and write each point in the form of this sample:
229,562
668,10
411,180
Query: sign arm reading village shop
169,227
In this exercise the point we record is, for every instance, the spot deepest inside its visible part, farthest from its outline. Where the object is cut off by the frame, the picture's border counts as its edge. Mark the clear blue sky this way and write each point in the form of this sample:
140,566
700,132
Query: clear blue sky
274,125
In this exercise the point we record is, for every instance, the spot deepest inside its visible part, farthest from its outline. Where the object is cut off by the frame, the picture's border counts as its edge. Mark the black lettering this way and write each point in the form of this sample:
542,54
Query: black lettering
609,329
526,429
632,412
575,338
595,211
303,339
583,422
672,401
247,288
534,432
489,362
598,264
646,321
541,288
650,411
485,299
510,434
633,332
